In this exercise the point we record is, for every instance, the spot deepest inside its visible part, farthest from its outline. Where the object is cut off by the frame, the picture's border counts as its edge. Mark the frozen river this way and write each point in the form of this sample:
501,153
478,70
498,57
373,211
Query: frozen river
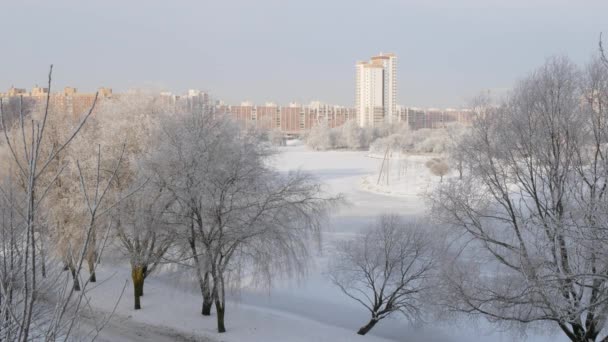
315,297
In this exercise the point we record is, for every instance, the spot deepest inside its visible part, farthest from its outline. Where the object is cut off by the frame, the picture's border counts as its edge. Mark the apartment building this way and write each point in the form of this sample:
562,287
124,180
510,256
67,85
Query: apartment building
376,90
69,100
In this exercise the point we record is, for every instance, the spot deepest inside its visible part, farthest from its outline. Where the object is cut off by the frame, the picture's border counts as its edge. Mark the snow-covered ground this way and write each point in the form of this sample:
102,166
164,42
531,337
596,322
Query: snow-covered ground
307,310
171,311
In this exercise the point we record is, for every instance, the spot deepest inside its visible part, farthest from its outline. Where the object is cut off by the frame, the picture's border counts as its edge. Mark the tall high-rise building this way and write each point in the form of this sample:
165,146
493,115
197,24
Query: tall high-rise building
376,90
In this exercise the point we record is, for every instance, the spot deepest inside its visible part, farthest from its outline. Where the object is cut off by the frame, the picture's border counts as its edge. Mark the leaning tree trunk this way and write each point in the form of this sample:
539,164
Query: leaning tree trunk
365,329
137,274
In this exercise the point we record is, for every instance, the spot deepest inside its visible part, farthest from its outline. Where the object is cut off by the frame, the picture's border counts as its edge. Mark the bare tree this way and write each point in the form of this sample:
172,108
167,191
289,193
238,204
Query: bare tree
456,133
602,52
533,208
386,268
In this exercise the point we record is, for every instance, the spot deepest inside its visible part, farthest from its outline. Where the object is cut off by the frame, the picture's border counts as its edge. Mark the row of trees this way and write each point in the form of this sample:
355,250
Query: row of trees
424,140
398,137
348,136
158,185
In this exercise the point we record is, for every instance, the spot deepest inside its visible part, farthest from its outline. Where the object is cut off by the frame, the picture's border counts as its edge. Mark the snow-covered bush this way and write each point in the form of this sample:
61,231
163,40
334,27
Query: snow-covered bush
428,140
395,143
438,167
321,138
420,141
353,136
276,137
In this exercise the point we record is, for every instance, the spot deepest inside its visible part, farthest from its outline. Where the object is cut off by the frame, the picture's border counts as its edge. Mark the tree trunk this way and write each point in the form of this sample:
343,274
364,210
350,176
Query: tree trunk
75,276
220,301
145,274
219,308
43,264
137,274
207,304
460,170
365,329
207,298
203,281
91,262
42,257
137,304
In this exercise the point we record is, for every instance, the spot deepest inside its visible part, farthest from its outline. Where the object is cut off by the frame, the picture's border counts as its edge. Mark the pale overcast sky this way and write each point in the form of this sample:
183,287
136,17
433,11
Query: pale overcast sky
263,50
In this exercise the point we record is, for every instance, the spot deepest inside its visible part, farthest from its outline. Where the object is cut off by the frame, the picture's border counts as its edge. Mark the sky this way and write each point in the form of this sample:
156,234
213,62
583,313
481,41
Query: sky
287,50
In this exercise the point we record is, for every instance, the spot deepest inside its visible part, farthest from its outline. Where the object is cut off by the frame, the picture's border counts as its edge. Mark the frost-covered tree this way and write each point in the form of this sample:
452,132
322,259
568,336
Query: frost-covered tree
276,137
438,167
145,233
121,126
428,140
394,143
185,155
321,137
533,208
387,268
31,307
129,124
456,133
353,136
239,216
